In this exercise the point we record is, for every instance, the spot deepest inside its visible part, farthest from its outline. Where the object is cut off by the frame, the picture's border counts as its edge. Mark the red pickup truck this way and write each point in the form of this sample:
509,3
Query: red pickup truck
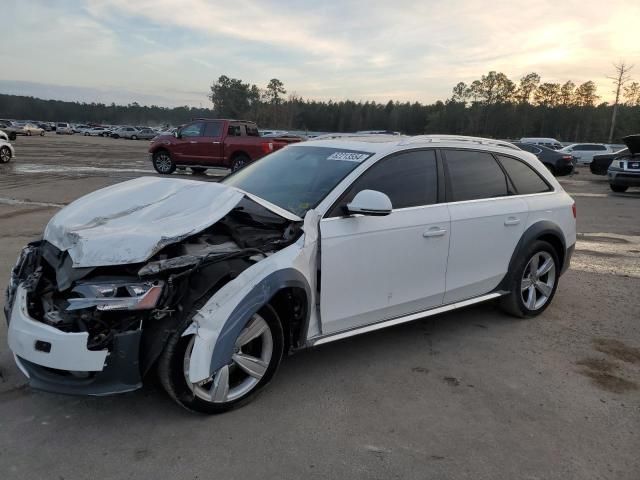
206,143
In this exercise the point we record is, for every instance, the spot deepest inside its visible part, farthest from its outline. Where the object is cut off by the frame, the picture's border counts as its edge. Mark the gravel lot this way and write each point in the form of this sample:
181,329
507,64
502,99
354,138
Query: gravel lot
472,394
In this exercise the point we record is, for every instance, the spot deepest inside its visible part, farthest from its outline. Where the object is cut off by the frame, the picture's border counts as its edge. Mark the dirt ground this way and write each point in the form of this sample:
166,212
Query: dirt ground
472,394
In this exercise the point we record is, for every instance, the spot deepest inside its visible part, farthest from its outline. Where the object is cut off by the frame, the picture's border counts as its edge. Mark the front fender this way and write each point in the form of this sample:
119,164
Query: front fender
219,322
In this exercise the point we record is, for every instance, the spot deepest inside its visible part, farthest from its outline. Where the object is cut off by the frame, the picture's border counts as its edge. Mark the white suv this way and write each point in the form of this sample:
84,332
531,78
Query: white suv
211,283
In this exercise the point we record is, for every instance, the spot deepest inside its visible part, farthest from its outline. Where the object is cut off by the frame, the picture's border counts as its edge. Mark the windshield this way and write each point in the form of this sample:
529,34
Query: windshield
297,178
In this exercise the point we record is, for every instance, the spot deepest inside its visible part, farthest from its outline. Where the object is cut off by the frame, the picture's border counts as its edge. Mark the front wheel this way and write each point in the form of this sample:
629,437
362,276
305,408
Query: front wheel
28,133
618,188
162,162
257,354
534,281
5,155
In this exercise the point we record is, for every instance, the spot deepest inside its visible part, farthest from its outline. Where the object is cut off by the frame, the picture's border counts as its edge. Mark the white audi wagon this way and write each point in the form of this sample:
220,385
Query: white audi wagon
209,285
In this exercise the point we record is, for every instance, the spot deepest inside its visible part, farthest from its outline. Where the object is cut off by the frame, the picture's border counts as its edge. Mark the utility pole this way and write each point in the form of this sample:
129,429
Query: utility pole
621,77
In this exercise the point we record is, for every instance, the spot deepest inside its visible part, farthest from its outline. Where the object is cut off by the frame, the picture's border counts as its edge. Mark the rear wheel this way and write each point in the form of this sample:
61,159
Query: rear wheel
533,281
42,133
28,133
162,162
198,170
5,155
239,162
257,354
134,137
618,188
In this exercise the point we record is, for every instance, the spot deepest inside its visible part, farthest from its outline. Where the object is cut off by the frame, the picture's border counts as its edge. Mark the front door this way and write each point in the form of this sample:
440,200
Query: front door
186,148
377,268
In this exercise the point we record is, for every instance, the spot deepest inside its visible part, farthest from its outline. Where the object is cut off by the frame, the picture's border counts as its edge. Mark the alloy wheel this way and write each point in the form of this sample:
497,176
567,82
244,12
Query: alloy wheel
249,363
5,155
538,280
163,162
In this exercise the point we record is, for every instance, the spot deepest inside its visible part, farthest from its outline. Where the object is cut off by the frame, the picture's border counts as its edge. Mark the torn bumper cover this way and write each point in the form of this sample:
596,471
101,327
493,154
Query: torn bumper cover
60,362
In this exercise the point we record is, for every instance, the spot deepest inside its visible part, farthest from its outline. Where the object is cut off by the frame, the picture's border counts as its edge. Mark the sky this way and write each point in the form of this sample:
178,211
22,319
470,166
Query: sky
168,52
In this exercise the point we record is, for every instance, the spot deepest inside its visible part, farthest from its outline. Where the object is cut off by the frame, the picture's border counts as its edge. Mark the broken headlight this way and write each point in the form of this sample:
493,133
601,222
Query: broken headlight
109,296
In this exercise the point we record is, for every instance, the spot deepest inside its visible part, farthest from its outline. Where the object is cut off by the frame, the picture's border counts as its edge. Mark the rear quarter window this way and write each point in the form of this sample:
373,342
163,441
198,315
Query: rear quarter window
524,178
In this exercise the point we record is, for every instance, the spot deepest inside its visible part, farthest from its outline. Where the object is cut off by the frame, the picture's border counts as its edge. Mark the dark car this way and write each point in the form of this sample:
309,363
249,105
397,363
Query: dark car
8,128
558,163
624,171
600,163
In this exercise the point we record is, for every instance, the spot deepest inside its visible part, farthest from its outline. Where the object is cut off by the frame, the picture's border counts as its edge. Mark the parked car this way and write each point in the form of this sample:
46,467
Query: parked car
64,128
558,163
624,171
212,283
7,152
206,143
96,132
551,143
584,152
123,132
8,129
600,163
31,129
144,134
81,128
3,136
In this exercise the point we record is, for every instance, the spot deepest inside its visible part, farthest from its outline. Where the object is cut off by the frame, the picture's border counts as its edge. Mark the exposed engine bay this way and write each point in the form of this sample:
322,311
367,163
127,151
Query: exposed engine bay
150,297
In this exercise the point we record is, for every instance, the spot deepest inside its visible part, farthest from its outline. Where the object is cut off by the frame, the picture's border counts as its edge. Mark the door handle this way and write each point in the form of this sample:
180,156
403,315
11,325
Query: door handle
216,143
434,232
512,221
192,141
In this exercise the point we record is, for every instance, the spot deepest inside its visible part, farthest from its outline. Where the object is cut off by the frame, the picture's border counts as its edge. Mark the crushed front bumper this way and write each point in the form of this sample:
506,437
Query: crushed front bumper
60,362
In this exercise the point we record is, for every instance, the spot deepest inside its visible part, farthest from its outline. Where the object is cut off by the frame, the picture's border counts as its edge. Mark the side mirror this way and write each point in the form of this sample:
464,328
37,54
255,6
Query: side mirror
370,202
177,134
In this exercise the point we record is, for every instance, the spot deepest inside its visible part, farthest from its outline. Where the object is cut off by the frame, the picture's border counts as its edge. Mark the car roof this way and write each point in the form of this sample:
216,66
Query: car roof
388,143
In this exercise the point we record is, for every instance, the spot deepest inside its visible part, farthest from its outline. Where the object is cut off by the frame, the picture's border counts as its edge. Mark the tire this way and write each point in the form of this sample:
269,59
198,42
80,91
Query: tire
5,155
198,170
241,387
42,133
531,293
163,163
618,188
28,133
12,136
134,137
239,161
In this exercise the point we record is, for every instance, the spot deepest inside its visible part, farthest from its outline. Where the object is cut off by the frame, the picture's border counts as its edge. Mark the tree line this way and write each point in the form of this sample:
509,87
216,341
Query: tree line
493,106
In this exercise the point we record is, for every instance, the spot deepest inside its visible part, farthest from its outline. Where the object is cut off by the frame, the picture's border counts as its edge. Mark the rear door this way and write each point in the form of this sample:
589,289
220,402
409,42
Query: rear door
376,268
487,221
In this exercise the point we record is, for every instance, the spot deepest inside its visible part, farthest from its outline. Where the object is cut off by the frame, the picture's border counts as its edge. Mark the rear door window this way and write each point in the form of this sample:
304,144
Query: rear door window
524,178
212,129
474,175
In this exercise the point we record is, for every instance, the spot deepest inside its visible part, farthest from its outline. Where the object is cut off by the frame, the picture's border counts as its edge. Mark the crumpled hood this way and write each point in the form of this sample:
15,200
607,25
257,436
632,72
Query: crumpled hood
131,221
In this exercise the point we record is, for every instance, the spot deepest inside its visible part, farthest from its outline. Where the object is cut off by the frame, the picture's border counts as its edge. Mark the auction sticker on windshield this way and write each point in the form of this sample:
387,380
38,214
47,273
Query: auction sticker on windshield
349,156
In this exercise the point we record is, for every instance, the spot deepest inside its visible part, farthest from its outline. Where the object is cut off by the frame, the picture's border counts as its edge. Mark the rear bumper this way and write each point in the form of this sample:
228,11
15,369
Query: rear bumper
60,362
568,254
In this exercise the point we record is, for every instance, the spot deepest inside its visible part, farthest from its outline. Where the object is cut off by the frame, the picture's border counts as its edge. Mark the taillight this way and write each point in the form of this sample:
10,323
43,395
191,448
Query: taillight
267,147
568,158
573,209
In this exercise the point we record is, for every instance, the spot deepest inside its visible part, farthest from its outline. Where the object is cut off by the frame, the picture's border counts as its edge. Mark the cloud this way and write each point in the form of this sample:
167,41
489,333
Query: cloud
363,50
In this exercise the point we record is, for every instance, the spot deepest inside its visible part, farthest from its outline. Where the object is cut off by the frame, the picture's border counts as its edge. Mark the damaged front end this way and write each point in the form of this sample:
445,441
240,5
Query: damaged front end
98,329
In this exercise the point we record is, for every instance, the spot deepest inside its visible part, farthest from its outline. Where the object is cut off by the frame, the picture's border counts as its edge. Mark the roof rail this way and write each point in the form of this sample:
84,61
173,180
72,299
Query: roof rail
329,136
458,138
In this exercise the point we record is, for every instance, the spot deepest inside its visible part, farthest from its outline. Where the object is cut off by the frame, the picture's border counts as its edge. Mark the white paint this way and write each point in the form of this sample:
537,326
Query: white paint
68,350
381,267
131,221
